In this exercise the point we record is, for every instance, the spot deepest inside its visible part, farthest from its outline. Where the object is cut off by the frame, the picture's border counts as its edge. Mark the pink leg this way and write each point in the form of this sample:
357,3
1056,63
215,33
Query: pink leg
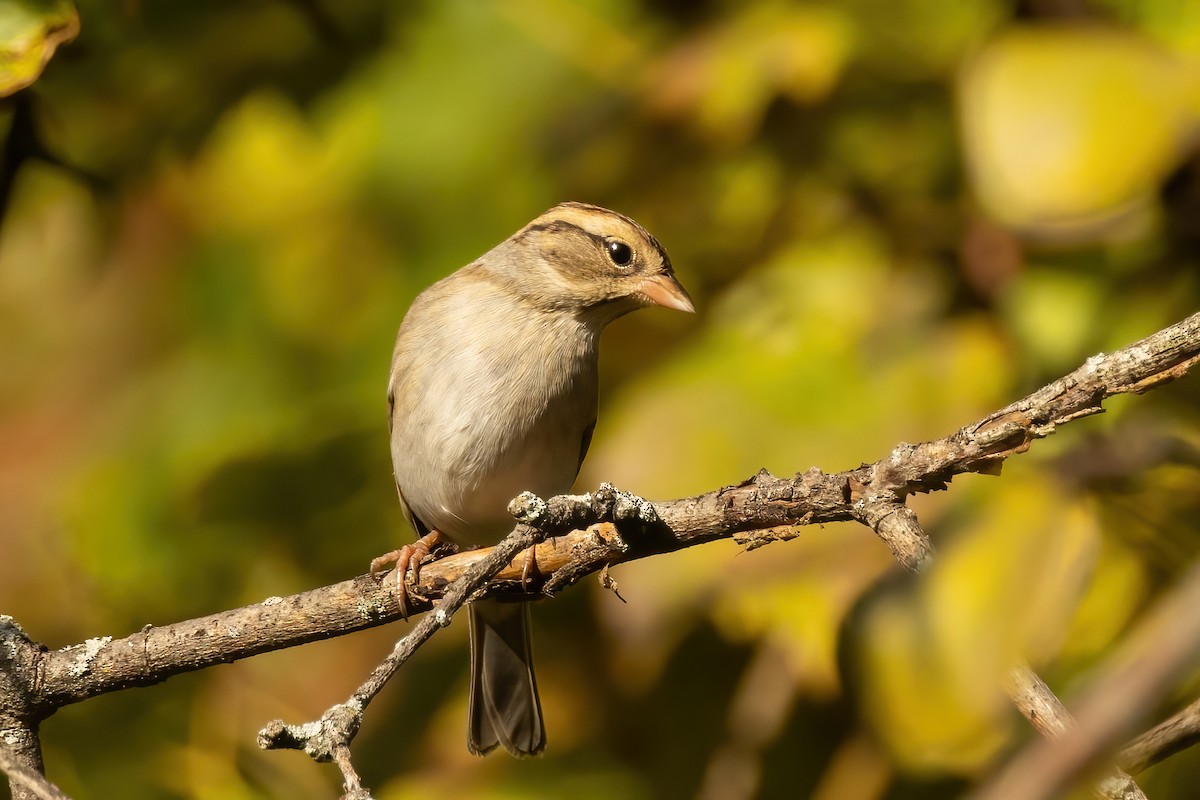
407,559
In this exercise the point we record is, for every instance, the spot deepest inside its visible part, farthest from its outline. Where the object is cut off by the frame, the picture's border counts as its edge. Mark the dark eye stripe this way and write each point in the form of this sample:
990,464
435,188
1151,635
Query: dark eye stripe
563,225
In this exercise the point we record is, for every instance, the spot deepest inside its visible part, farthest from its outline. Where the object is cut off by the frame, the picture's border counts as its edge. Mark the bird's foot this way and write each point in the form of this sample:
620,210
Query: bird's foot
408,561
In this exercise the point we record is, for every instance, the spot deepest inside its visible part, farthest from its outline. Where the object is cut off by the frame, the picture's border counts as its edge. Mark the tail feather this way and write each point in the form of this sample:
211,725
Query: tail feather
504,706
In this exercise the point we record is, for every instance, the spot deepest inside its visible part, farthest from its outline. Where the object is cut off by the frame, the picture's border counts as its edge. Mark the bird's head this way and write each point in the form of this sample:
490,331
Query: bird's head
595,262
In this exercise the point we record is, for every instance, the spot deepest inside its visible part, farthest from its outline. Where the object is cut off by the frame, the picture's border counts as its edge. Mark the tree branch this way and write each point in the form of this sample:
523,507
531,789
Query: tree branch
20,748
755,512
750,512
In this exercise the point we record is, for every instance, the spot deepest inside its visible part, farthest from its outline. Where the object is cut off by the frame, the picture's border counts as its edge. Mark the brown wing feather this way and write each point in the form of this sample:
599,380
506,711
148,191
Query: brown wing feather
585,444
391,408
420,527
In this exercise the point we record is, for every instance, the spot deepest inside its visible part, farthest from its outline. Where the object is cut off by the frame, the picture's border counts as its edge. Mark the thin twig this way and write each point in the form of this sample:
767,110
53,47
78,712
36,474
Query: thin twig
1049,717
326,738
329,738
1165,739
1164,645
32,782
899,527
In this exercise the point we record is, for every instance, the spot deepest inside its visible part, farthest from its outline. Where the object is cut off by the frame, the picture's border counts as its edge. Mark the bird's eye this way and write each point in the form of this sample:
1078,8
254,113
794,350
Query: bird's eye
619,252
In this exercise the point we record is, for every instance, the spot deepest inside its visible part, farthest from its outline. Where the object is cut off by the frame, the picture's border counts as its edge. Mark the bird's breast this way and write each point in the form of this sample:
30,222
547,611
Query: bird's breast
499,415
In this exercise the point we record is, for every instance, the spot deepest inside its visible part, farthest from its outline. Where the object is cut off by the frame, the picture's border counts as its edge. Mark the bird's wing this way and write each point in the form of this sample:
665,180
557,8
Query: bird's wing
585,444
420,527
391,406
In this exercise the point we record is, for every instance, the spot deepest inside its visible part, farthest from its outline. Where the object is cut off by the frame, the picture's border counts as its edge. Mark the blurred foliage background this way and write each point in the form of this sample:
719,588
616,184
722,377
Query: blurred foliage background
894,218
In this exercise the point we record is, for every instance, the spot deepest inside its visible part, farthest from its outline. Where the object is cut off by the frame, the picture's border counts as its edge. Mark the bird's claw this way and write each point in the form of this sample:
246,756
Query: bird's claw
408,561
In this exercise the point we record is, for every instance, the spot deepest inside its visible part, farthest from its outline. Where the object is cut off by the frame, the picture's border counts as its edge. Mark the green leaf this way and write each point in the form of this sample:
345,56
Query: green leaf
30,32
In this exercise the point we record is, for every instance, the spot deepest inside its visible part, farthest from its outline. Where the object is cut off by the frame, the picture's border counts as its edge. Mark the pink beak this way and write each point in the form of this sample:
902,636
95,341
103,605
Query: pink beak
666,291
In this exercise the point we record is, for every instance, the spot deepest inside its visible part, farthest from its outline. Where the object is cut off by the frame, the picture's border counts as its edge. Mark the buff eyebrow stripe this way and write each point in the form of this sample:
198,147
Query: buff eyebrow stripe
562,225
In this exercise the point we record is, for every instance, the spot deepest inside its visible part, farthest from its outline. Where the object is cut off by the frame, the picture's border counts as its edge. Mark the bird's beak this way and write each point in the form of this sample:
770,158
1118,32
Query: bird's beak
666,291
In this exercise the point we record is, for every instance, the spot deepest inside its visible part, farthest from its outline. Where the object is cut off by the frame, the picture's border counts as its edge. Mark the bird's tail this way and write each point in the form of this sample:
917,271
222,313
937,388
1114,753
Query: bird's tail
504,706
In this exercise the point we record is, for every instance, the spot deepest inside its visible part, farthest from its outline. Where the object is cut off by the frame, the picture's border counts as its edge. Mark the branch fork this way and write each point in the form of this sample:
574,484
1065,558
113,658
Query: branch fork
329,738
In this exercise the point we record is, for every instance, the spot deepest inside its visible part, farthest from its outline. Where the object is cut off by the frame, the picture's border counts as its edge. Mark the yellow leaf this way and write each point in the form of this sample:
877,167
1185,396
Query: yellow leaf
1068,126
934,656
30,32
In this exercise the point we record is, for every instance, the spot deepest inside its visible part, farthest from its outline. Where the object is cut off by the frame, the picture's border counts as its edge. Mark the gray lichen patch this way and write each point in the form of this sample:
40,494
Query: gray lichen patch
85,654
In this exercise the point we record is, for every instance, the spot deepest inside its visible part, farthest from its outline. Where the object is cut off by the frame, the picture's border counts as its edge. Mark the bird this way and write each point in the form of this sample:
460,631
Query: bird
493,391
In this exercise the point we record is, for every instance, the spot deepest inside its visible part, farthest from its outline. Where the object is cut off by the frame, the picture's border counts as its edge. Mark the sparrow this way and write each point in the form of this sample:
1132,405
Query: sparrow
493,392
